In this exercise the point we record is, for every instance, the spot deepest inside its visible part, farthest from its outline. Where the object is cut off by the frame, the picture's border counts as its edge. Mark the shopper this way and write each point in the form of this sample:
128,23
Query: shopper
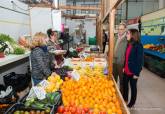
41,60
133,65
105,40
53,45
119,54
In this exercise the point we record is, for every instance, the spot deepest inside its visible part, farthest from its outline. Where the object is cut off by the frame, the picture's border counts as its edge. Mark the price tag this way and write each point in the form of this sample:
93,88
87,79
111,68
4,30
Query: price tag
75,75
31,94
40,92
44,83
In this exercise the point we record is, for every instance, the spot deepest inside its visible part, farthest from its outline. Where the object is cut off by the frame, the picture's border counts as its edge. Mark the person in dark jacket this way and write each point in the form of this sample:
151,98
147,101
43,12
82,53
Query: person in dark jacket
105,40
42,62
53,45
120,44
132,65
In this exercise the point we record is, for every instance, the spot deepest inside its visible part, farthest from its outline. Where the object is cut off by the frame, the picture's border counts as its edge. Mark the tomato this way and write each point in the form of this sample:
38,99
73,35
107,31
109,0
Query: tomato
65,113
73,110
82,112
60,109
66,109
86,110
78,111
70,108
102,112
90,112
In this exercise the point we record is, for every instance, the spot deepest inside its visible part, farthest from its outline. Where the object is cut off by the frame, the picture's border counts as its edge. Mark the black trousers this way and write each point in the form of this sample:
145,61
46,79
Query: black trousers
133,85
104,44
118,72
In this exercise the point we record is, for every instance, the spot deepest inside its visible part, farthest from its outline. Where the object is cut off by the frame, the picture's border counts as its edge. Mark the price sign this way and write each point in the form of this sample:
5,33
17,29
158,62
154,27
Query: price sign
40,92
44,83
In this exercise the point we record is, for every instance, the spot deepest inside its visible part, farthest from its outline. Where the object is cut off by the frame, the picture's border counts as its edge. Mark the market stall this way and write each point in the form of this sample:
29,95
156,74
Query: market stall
153,40
84,85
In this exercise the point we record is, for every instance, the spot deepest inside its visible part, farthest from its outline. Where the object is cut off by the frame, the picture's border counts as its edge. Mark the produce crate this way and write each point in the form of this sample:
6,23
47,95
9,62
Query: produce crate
92,41
155,64
7,101
4,108
21,107
121,100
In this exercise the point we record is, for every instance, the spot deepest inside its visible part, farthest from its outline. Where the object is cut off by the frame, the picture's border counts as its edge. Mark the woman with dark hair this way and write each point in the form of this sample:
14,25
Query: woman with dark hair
133,65
53,45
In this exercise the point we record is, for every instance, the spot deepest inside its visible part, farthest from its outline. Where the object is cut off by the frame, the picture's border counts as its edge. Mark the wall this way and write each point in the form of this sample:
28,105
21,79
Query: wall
154,15
11,22
89,26
139,8
41,19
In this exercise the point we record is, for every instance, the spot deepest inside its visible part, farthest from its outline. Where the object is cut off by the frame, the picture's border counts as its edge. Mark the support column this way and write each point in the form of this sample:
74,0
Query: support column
111,39
101,24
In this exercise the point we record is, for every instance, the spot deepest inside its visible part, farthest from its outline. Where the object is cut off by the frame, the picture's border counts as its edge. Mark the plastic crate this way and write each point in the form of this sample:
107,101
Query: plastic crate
4,109
92,41
21,107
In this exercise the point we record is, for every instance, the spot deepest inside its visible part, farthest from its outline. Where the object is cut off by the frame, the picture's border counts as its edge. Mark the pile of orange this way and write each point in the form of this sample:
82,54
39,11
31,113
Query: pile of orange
89,59
97,93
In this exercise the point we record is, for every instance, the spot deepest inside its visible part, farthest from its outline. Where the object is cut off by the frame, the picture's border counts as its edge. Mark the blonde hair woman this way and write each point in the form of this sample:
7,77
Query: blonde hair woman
41,60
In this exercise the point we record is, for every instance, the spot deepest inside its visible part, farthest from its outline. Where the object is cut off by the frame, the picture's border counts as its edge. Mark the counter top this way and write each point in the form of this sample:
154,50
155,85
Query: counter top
12,58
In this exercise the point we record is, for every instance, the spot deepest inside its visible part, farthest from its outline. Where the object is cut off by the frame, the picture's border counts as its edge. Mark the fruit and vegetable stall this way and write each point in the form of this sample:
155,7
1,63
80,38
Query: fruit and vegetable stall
81,86
154,53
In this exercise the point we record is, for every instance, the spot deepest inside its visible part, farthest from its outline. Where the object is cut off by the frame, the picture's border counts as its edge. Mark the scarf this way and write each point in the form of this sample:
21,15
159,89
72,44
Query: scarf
44,48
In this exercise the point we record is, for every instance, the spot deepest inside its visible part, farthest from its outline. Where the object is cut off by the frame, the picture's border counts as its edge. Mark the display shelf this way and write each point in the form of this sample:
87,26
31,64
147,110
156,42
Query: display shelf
155,53
12,58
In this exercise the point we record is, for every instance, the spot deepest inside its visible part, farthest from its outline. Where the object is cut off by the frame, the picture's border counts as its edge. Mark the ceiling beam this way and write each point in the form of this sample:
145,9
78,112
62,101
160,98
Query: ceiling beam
78,16
78,7
67,7
41,5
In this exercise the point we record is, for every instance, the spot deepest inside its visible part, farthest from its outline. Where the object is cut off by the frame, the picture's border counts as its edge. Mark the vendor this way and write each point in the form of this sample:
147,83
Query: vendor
53,45
42,62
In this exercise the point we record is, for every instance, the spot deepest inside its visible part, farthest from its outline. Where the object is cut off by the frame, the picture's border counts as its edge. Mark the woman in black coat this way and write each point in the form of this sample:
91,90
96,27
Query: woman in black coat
133,65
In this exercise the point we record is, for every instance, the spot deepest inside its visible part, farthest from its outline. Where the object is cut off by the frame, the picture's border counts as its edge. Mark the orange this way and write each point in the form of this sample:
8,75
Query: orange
109,111
114,99
119,111
91,91
96,111
114,110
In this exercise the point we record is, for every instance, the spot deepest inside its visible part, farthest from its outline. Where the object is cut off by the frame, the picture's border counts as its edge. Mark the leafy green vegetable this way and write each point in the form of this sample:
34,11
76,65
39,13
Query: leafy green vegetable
5,38
19,50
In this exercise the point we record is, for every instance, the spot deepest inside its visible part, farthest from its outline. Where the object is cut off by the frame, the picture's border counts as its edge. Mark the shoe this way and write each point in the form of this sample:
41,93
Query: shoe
130,105
126,102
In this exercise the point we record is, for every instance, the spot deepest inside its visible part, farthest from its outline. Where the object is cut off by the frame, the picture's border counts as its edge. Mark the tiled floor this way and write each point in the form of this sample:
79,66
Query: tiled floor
151,94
